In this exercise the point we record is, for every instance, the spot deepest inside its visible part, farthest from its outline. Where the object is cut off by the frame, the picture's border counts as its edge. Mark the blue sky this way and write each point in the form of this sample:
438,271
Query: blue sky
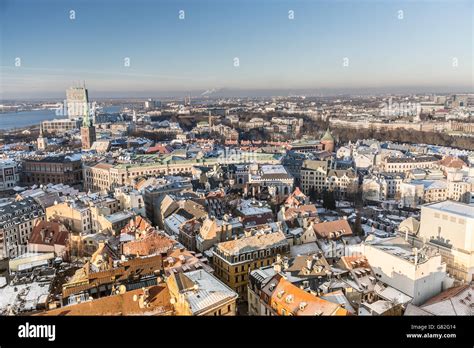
171,55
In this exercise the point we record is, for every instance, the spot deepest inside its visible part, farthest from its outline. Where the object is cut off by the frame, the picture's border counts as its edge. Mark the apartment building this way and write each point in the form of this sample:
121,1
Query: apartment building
9,175
214,231
318,176
314,175
448,226
64,169
75,215
60,126
233,260
405,164
342,181
418,273
17,221
97,177
188,290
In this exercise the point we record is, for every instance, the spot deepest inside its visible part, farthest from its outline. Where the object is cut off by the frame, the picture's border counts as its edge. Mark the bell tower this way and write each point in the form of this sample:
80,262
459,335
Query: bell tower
42,141
88,135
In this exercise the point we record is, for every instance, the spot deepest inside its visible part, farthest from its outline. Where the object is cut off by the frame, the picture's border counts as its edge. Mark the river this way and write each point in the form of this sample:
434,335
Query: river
23,119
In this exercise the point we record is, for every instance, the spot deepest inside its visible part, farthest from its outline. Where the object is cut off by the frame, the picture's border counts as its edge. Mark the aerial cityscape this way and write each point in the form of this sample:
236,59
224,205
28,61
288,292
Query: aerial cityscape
205,158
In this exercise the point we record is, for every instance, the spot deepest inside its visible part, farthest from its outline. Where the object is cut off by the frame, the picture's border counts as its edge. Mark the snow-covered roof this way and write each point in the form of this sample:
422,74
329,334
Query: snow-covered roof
457,208
208,291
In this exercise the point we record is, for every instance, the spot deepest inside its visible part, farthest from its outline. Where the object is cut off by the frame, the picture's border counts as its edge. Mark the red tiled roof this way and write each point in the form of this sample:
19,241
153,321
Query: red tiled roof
49,233
137,224
446,295
158,148
296,301
153,243
309,209
325,229
158,300
346,262
452,162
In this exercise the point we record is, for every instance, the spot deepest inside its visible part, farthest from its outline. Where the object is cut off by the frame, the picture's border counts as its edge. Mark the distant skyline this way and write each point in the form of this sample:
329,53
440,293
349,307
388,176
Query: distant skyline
173,56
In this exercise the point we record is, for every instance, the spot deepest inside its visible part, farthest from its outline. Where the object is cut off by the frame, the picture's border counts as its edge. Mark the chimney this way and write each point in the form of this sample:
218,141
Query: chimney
278,258
285,263
406,235
309,263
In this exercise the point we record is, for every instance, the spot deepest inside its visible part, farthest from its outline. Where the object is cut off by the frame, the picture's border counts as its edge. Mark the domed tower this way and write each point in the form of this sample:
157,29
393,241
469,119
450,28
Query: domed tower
328,141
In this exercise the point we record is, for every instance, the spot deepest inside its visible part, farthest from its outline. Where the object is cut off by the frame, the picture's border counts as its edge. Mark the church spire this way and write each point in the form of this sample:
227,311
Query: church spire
86,120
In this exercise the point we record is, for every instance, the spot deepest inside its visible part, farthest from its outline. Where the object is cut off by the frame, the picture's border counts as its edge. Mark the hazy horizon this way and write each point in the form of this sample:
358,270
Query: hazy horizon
233,93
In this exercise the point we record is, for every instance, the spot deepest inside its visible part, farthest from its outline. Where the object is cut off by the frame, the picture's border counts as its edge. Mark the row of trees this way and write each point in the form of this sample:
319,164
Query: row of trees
155,136
400,135
405,136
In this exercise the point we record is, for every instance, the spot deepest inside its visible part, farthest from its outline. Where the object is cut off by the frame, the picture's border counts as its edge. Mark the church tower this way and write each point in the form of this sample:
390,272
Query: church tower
87,131
42,141
328,141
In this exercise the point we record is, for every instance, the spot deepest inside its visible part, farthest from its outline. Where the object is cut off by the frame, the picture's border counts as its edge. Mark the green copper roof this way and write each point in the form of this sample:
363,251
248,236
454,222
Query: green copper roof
327,136
86,120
